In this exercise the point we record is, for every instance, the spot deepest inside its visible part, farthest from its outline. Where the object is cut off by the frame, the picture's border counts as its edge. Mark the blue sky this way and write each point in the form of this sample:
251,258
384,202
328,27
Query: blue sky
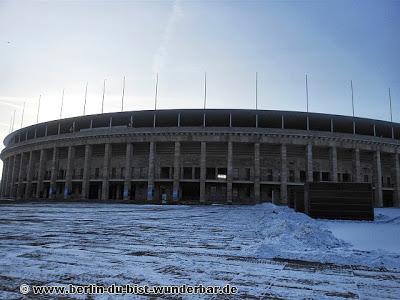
48,46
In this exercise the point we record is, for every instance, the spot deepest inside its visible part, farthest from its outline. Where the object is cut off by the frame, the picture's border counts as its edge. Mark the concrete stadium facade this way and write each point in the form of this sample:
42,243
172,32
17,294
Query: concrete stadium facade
199,156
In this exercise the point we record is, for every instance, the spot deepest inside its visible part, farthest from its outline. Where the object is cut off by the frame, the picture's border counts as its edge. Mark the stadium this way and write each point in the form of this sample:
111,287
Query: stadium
199,156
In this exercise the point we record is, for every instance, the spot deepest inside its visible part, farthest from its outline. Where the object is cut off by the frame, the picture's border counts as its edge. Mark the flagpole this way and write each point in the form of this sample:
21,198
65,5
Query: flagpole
352,96
37,116
391,115
13,121
205,99
256,99
390,103
62,104
23,112
352,105
256,90
156,93
205,91
308,120
104,91
84,105
155,101
123,94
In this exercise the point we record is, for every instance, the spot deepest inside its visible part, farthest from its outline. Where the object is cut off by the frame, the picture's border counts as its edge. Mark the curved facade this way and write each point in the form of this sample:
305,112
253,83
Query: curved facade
199,156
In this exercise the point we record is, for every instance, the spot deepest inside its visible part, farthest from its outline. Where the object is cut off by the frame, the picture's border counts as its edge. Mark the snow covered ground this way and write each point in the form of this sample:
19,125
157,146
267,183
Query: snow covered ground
264,250
383,234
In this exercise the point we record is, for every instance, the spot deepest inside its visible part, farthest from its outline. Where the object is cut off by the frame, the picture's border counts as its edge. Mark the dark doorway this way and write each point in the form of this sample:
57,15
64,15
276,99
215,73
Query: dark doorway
95,190
387,198
46,188
116,190
190,192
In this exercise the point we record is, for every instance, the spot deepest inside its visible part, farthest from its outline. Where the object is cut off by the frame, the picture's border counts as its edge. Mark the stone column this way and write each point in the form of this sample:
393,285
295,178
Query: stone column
128,163
229,174
13,175
86,172
105,174
309,163
53,175
39,189
29,176
333,163
396,191
203,149
4,177
68,174
177,156
283,173
257,192
356,165
20,175
150,175
378,179
9,175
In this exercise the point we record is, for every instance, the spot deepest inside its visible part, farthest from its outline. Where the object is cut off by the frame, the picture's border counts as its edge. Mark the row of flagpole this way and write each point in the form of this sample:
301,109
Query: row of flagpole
204,100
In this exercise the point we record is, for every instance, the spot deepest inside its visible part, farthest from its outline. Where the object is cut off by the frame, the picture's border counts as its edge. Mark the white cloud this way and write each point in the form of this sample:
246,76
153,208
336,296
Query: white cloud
162,52
11,102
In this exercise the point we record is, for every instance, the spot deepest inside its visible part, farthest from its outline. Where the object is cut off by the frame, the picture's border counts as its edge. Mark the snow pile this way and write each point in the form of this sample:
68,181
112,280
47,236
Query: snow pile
298,231
290,235
287,233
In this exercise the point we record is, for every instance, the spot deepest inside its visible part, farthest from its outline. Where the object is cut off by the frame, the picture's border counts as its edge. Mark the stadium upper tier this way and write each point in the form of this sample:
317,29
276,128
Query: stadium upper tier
195,119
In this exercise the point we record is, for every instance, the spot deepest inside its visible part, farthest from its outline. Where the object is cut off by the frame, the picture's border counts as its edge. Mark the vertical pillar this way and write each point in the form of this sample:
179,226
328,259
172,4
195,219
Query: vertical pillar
177,156
13,175
309,162
20,175
86,172
4,177
229,174
333,163
53,175
150,175
257,192
128,162
356,165
378,179
68,174
9,176
39,189
106,163
283,173
396,198
29,176
203,147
